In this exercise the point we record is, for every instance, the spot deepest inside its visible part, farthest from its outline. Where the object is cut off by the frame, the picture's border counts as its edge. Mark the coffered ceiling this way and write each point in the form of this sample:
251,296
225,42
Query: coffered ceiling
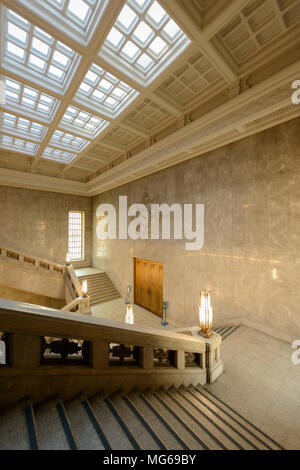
102,92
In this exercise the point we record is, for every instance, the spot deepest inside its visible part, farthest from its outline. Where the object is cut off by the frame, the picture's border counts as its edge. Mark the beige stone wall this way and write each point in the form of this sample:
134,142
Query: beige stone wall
29,298
251,257
36,222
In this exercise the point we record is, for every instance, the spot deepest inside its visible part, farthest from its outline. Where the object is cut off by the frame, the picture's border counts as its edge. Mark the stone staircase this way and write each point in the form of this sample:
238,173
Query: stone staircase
100,288
225,331
187,418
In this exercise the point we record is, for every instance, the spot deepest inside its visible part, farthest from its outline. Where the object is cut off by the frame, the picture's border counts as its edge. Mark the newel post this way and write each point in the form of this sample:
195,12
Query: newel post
213,362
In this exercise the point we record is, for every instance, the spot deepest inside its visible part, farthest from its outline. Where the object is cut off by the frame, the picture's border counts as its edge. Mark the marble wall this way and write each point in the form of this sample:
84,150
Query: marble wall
36,222
251,255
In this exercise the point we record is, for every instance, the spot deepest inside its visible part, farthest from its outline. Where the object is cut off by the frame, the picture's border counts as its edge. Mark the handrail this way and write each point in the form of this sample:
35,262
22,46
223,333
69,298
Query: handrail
70,273
80,305
113,355
9,254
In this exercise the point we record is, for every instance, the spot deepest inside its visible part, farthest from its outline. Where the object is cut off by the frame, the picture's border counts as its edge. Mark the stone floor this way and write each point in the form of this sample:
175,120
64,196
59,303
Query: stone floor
87,271
116,310
261,382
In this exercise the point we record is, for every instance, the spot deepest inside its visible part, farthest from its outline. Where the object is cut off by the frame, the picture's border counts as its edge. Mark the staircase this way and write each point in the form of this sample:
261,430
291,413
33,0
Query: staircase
225,331
100,288
189,418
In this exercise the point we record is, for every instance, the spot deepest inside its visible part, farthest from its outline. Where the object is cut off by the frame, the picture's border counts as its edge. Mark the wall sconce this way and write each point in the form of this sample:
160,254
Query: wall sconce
68,259
84,288
205,314
129,314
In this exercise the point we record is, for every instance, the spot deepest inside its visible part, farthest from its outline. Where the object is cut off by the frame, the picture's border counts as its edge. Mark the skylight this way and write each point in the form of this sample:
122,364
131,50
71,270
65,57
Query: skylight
18,145
143,41
58,155
104,93
29,101
76,18
22,127
68,141
31,51
82,122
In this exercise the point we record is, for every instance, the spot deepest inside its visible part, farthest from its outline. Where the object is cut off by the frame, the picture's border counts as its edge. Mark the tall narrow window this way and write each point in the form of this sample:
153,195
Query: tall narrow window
76,235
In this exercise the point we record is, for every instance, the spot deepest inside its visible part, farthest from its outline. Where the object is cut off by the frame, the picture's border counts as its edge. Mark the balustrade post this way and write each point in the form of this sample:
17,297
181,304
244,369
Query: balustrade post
180,359
213,362
147,357
99,355
26,351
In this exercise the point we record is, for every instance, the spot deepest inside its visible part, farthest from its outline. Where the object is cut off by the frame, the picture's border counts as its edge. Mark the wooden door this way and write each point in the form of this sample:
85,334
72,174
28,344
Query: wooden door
148,285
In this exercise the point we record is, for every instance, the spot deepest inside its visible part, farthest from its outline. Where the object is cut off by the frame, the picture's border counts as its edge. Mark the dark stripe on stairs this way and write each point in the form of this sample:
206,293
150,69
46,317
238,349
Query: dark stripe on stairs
224,420
186,426
145,424
197,421
66,426
33,441
164,422
96,425
213,422
236,421
122,424
247,421
232,331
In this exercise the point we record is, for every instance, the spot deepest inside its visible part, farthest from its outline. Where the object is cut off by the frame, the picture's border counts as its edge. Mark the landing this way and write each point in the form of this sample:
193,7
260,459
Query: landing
87,271
115,310
261,382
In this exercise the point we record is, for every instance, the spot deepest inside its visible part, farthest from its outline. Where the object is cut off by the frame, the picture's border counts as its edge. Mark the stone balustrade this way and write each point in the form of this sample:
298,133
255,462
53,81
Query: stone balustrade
51,352
8,254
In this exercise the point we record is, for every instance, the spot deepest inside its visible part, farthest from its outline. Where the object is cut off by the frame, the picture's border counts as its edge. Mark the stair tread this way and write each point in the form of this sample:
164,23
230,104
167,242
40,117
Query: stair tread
140,433
205,430
178,426
83,428
207,420
224,409
13,429
169,439
110,426
49,424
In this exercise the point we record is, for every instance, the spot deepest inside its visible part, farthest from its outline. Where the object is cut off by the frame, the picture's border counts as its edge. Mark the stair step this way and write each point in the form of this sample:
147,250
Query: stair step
262,440
83,427
110,425
52,421
102,300
170,438
202,427
104,296
136,427
178,423
208,421
102,288
13,429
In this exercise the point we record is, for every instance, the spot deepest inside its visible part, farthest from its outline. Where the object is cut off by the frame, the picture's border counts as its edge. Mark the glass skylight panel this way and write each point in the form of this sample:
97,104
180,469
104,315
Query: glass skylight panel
81,122
28,101
76,18
143,41
79,9
58,155
104,92
68,141
22,127
18,145
32,52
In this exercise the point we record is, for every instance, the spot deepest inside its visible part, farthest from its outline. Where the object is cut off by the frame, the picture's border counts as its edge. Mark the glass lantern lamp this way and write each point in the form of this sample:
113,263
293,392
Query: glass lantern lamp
205,314
84,288
129,314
